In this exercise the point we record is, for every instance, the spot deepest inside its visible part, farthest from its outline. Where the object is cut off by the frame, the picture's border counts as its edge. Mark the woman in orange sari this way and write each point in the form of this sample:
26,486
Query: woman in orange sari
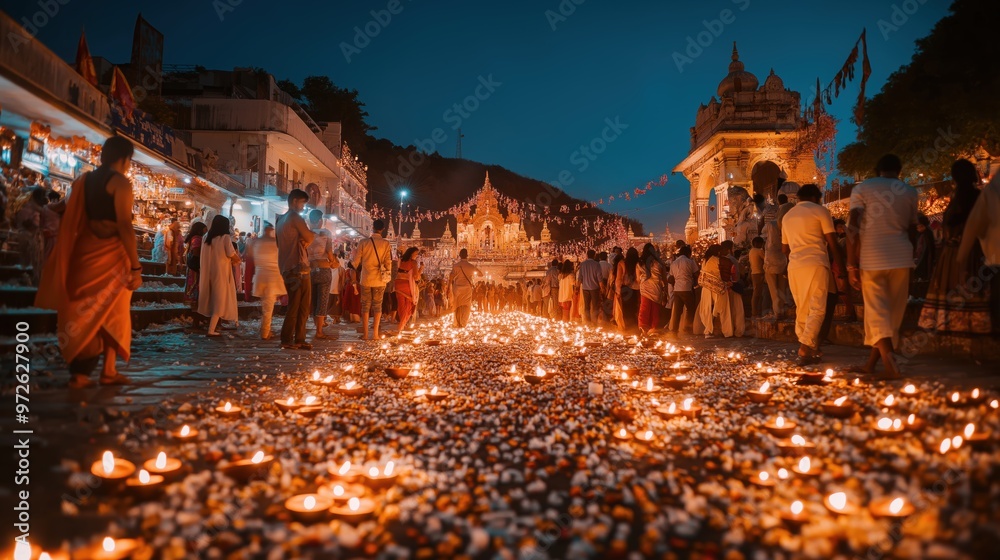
94,268
406,286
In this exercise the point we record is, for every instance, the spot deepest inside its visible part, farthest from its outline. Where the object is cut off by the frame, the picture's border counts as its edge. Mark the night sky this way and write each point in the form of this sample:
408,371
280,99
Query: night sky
557,87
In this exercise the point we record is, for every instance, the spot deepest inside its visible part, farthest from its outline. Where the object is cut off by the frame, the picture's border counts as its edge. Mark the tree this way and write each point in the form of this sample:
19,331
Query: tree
290,88
325,101
940,106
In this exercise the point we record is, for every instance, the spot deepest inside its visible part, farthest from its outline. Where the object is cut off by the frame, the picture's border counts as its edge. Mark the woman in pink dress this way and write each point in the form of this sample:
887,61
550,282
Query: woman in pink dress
406,286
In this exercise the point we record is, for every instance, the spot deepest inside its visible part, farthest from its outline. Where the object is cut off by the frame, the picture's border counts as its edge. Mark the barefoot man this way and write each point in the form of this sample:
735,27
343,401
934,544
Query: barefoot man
883,221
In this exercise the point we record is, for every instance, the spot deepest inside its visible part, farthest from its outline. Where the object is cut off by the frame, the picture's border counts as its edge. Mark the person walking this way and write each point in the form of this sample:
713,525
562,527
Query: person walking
880,256
567,282
216,290
267,282
807,236
462,287
683,275
756,258
293,238
192,288
374,263
321,264
983,226
952,305
94,268
407,292
589,277
652,274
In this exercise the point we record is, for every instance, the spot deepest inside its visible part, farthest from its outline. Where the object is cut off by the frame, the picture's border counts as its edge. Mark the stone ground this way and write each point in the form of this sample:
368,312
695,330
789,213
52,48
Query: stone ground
175,363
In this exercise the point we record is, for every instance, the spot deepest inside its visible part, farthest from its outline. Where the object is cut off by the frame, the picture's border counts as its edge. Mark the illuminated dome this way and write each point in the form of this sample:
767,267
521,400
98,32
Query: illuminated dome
738,80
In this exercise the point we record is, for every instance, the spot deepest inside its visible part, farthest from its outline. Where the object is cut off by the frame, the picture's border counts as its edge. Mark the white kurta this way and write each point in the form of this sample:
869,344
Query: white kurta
217,290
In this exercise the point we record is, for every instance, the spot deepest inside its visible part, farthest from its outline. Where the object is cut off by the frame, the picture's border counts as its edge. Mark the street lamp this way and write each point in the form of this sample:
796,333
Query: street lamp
399,230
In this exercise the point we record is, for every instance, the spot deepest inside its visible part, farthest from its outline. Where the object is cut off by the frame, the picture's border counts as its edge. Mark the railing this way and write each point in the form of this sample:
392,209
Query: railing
225,181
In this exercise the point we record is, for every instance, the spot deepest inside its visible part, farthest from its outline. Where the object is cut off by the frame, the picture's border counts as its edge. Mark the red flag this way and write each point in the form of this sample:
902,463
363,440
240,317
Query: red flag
84,63
121,93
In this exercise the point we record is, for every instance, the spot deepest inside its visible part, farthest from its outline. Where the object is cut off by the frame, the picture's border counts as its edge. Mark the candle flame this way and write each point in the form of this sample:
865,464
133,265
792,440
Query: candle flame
687,403
350,385
857,381
796,507
420,392
648,435
143,476
763,476
434,391
995,403
649,383
897,424
310,400
672,408
338,490
896,506
328,379
884,423
108,462
290,401
829,372
228,406
954,397
309,503
161,460
765,387
945,446
354,504
108,545
681,377
780,422
343,469
622,433
975,393
840,401
316,375
373,472
969,430
759,365
388,468
889,400
805,464
798,440
956,442
910,389
185,430
539,371
44,556
258,458
911,419
513,368
782,474
838,500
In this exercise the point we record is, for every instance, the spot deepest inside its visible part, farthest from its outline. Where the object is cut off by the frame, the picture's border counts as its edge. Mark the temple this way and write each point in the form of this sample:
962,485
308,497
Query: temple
486,231
747,136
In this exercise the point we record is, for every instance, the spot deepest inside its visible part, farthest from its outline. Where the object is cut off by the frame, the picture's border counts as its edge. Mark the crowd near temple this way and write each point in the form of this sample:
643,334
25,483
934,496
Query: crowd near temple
239,342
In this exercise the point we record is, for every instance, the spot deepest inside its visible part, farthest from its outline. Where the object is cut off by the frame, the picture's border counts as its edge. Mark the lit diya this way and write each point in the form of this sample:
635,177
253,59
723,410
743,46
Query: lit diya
780,427
309,507
351,389
229,409
909,390
839,504
807,467
889,402
807,377
838,408
344,492
110,549
537,378
145,482
434,395
646,437
890,507
244,469
689,409
346,472
669,411
321,381
764,479
975,397
676,381
949,444
354,510
796,445
762,395
978,440
795,515
380,479
163,465
112,468
647,387
185,432
543,351
622,435
888,426
680,367
622,414
288,404
913,424
398,372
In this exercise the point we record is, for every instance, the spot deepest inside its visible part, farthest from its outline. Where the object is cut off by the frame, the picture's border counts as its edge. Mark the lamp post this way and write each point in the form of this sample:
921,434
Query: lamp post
399,227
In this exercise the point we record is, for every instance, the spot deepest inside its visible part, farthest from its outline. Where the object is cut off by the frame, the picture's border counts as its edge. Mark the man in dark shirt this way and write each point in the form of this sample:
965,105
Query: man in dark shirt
294,237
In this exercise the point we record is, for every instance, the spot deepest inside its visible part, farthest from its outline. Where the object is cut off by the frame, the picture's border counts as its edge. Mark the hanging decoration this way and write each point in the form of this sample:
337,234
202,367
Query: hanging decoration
845,75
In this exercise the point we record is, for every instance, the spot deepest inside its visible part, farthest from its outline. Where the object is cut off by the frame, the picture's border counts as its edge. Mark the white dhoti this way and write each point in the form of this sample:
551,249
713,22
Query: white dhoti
809,287
885,294
715,305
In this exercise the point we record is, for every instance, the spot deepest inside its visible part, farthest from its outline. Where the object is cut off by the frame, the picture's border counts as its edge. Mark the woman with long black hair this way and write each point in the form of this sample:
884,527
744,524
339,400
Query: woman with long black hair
217,287
406,286
193,243
652,274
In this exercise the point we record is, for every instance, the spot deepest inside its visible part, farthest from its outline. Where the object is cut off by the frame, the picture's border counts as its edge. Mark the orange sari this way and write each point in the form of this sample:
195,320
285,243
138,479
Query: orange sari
85,280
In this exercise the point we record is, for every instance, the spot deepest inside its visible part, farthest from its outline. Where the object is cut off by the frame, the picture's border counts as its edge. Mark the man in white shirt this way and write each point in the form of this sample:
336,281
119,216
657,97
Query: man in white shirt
462,286
374,255
882,223
683,273
808,238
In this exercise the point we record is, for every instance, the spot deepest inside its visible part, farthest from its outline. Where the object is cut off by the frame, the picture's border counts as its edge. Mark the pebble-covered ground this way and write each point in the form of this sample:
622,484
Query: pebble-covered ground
587,463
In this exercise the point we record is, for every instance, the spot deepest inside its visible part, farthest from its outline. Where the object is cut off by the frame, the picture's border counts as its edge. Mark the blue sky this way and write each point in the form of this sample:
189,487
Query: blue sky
560,69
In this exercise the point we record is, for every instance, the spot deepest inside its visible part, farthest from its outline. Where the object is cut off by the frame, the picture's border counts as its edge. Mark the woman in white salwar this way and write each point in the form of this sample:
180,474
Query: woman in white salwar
714,294
217,288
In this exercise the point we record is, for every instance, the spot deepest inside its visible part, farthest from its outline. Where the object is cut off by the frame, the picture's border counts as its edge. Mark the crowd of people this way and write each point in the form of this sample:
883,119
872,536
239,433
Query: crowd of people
800,264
